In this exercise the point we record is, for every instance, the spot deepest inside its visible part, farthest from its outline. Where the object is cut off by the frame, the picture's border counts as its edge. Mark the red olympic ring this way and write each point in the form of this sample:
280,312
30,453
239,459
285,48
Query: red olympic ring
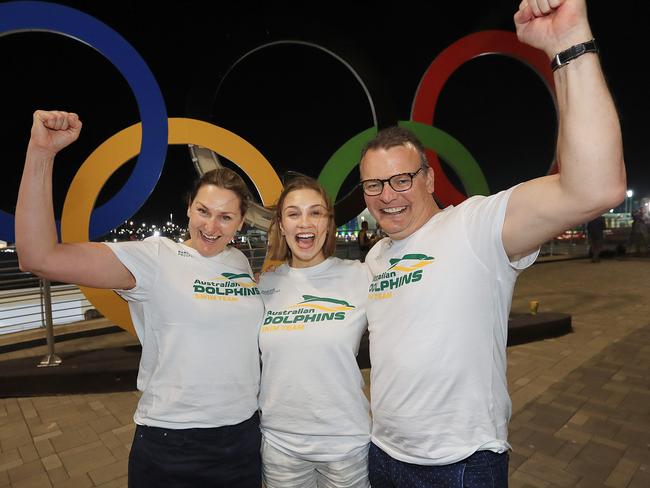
448,61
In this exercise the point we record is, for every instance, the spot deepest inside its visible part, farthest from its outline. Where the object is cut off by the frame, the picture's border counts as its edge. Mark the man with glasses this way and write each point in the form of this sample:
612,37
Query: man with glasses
443,279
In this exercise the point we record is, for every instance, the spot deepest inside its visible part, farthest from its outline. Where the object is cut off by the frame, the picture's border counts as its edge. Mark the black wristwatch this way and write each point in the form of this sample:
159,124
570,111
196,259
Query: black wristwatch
563,58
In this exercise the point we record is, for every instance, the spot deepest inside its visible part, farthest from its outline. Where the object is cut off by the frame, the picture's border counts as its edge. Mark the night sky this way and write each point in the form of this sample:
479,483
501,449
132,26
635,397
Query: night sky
297,104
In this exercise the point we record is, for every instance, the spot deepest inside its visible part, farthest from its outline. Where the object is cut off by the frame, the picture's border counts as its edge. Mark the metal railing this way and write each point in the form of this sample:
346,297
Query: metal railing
23,299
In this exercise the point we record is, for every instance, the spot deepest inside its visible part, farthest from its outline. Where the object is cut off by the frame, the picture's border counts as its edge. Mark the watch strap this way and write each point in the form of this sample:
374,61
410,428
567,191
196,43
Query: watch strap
563,58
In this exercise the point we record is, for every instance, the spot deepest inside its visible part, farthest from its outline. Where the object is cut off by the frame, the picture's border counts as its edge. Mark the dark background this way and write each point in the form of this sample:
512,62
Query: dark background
296,104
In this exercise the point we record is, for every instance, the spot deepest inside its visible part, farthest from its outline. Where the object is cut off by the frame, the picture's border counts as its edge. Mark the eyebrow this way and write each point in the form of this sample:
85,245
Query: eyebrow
198,202
296,207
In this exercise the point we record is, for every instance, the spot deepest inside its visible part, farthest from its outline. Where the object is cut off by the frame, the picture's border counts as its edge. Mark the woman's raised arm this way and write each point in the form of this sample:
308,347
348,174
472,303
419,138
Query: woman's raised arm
87,263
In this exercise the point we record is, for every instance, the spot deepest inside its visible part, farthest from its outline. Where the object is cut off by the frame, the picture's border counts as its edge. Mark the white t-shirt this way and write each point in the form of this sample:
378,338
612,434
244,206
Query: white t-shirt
197,319
311,398
438,320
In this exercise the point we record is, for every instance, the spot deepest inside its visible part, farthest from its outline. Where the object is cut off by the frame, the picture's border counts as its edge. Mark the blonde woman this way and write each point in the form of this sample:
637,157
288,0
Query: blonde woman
314,415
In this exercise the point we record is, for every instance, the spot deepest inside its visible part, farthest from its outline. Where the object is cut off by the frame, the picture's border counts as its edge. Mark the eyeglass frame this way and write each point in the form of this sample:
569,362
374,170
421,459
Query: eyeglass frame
387,180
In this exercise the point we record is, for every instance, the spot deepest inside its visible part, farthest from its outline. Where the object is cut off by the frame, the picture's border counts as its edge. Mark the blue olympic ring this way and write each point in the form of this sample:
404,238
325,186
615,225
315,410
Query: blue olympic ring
49,17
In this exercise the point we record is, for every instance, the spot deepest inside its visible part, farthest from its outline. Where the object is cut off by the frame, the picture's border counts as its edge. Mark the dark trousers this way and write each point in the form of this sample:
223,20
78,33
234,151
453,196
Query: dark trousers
226,456
483,469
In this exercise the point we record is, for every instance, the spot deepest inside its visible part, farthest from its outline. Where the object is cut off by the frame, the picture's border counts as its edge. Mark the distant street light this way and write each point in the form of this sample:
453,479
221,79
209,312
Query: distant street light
628,201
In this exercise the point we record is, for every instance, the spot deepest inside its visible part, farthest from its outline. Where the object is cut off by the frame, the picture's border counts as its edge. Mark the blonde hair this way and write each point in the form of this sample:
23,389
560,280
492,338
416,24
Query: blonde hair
278,248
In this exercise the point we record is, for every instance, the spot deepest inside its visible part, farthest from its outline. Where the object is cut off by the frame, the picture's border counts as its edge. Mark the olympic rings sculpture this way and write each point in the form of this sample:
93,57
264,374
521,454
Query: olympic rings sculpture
57,19
149,139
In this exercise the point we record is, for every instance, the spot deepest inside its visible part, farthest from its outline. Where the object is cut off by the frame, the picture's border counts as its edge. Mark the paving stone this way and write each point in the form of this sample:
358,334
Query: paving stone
569,451
28,452
633,435
516,460
109,472
103,424
26,470
36,481
47,436
10,459
638,401
78,437
520,434
522,479
80,481
125,433
118,483
622,474
545,443
78,462
641,478
569,400
595,461
44,447
119,452
58,475
51,462
551,418
548,469
38,428
604,428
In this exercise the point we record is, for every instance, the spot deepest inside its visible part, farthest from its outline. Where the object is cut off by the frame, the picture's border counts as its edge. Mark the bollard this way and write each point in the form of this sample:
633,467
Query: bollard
50,359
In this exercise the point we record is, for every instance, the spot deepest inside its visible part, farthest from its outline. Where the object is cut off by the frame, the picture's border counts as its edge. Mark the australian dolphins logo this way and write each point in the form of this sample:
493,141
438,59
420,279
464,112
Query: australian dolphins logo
323,303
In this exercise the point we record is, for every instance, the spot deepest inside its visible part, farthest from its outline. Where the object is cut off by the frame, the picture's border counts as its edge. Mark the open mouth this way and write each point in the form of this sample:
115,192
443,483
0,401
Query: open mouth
305,239
207,238
393,210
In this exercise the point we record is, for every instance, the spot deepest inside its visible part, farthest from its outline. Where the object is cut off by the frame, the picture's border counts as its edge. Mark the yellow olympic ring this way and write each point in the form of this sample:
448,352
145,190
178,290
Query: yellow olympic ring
120,148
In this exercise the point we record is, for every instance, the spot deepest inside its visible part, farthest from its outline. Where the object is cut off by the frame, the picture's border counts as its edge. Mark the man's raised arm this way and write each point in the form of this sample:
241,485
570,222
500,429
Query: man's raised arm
591,176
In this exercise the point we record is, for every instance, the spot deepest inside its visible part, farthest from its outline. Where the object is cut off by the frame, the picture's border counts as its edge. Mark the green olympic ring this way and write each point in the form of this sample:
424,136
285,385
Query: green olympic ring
345,159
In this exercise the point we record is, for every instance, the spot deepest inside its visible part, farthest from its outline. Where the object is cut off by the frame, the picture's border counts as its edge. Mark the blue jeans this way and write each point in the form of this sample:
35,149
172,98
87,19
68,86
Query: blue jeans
217,457
483,469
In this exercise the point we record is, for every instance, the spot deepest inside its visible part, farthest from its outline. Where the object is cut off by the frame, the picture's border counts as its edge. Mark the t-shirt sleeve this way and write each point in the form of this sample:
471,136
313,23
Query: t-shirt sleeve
483,219
141,259
363,272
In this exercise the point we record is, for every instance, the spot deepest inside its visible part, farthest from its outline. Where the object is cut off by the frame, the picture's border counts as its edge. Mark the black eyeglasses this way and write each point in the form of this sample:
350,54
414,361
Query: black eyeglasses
400,182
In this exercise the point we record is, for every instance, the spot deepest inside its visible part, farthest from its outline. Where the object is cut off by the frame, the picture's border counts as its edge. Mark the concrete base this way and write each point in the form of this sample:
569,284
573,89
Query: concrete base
115,369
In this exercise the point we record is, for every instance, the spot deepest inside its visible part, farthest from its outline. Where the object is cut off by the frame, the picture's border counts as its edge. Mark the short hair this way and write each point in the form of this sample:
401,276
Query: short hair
397,136
279,250
228,180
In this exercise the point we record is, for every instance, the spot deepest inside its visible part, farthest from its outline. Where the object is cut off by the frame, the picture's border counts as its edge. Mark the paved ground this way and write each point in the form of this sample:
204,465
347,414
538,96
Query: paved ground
581,402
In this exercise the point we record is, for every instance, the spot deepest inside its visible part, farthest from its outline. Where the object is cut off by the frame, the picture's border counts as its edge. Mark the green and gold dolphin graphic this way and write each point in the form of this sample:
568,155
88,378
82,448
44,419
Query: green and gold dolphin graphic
423,259
312,300
237,278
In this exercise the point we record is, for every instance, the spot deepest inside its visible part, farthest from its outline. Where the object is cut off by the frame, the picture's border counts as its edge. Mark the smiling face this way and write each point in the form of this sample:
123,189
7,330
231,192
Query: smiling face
304,225
399,214
215,217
